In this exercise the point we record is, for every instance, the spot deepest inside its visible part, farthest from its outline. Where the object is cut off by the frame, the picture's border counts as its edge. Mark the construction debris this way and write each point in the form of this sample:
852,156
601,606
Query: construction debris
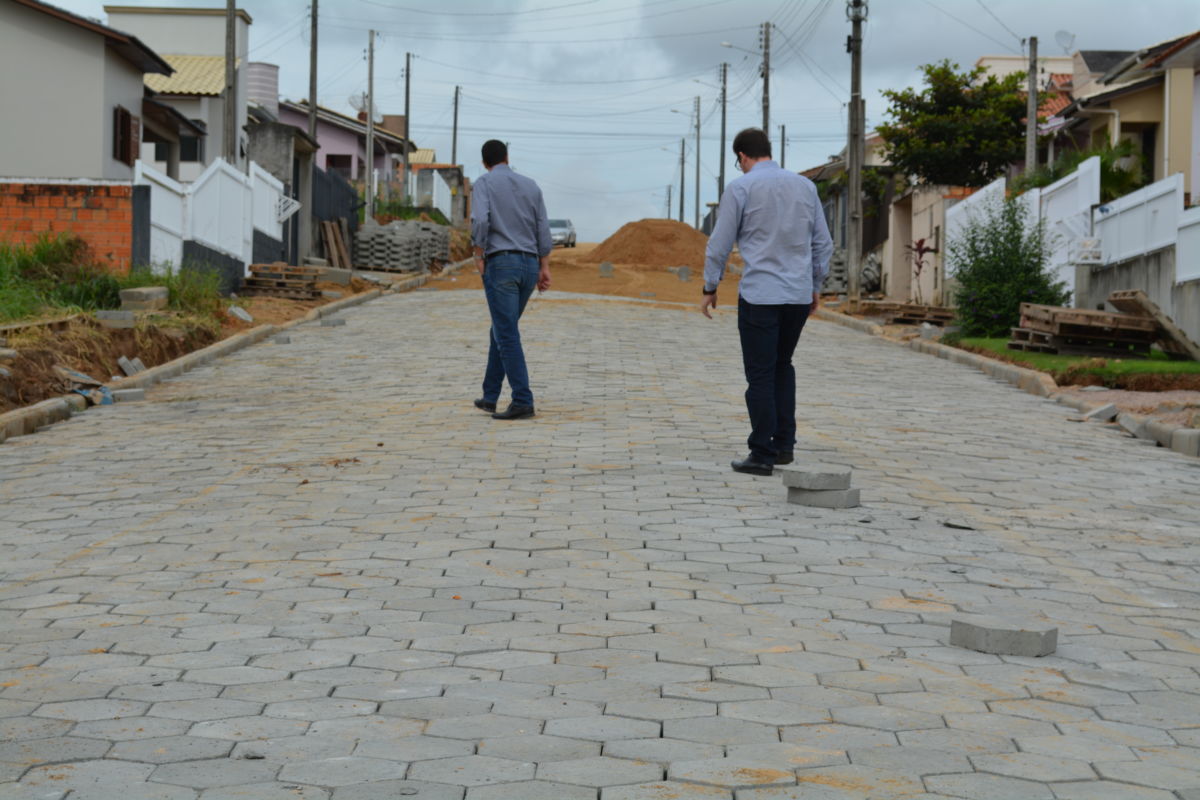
1083,332
282,280
820,486
401,246
1171,338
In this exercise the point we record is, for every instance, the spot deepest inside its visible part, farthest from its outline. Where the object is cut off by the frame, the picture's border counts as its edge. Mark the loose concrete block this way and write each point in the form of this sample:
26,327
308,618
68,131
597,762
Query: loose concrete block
332,322
241,313
115,319
137,362
1160,432
816,477
1131,423
824,498
7,354
335,275
606,269
1186,441
128,395
131,367
333,295
684,273
145,298
1003,636
1105,413
312,261
283,338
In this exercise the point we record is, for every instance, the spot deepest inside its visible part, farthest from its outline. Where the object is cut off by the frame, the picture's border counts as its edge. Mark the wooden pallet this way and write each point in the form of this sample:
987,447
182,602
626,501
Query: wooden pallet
1172,339
285,270
1052,319
289,293
259,282
1104,346
54,325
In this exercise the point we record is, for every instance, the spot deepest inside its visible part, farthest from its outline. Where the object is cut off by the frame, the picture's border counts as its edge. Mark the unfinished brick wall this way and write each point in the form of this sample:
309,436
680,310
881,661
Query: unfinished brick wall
100,214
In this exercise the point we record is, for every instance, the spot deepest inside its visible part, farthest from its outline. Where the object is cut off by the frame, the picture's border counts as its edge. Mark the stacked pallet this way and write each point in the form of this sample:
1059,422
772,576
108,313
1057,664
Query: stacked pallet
895,313
401,246
1171,338
282,280
1083,332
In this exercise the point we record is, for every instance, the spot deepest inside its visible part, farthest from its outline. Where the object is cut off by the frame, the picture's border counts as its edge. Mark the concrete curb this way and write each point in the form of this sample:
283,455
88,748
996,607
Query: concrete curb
1181,439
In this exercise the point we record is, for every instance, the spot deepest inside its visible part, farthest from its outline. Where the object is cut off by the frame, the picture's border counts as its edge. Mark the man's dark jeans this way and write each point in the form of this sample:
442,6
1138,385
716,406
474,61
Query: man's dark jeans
508,281
769,334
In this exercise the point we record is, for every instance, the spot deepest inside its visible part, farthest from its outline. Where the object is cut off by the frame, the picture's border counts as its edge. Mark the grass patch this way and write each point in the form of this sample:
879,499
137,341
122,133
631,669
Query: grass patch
193,289
1139,374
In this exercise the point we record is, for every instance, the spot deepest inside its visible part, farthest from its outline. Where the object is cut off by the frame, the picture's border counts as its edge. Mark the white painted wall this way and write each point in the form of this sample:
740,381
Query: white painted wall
1187,248
1140,222
168,215
1195,189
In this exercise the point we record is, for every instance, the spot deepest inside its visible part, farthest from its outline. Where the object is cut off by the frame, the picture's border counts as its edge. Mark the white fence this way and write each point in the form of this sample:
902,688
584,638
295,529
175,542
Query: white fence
220,210
1140,222
1187,248
962,212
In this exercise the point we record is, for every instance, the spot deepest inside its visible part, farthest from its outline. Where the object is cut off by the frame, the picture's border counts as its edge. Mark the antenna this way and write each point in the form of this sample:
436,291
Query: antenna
1066,40
359,103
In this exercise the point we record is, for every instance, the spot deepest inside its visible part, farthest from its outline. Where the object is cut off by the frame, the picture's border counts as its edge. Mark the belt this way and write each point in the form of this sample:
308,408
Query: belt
511,253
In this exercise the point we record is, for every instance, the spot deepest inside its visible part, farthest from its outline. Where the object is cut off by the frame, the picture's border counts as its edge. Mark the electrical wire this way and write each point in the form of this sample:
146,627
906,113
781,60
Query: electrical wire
555,42
967,24
411,10
992,14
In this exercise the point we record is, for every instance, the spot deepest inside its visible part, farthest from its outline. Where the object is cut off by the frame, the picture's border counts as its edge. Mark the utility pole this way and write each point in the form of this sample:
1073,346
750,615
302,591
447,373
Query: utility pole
724,85
856,10
407,122
1031,109
312,74
668,201
454,138
230,128
782,146
697,224
370,191
682,147
766,76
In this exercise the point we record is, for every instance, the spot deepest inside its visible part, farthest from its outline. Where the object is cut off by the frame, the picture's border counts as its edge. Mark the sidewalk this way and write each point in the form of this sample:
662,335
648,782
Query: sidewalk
314,570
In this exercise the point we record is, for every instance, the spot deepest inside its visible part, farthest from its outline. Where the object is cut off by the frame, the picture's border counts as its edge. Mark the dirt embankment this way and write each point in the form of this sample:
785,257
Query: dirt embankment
652,243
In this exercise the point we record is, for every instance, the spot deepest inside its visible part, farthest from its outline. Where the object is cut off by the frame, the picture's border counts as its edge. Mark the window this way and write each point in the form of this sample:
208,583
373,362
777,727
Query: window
191,148
127,135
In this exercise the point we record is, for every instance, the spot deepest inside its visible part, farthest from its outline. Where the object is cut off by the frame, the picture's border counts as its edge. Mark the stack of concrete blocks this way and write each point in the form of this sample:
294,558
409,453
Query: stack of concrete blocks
404,245
819,485
145,298
836,282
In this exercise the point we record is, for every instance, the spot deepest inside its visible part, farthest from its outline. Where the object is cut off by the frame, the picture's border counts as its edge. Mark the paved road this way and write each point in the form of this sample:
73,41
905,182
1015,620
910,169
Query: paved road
315,571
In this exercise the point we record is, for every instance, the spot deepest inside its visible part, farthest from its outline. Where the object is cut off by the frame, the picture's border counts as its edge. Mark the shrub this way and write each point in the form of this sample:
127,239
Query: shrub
1000,260
192,288
53,272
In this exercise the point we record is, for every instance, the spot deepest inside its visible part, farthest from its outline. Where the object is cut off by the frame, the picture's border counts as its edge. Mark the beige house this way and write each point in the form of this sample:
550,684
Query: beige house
51,61
1150,97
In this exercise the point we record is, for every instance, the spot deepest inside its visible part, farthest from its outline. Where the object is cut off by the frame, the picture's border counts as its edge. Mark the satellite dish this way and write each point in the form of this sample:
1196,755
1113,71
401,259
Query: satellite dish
359,103
1066,40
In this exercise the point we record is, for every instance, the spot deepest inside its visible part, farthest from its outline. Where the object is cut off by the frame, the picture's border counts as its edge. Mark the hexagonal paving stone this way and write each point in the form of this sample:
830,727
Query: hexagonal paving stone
472,771
767,677
665,790
978,786
215,772
715,691
265,791
205,709
887,718
915,760
483,726
661,709
531,790
83,710
243,728
229,676
601,729
377,790
791,755
719,730
171,748
537,748
435,708
836,737
53,750
732,773
598,771
774,712
343,771
1034,767
319,708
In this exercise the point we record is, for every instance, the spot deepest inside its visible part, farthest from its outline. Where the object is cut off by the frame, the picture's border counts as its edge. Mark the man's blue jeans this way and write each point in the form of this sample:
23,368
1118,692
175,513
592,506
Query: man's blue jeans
769,334
508,281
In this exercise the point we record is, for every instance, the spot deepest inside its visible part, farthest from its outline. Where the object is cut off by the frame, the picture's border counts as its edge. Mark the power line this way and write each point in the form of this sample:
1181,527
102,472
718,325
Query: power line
411,10
558,83
967,24
555,42
991,13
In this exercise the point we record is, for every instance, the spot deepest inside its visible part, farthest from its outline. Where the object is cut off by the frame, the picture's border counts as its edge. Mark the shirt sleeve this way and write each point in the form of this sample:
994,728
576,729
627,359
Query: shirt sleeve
542,226
724,235
480,212
822,244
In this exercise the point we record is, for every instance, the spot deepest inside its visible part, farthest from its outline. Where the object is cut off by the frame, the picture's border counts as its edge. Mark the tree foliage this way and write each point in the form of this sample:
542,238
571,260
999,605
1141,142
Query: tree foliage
959,129
1122,170
1000,260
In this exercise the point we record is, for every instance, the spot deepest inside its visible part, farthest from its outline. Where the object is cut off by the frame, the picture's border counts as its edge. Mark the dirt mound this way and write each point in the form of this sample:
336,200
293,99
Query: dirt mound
652,243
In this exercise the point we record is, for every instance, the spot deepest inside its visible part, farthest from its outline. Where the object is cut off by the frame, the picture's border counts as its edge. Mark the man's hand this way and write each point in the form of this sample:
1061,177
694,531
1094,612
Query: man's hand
479,260
543,281
709,301
816,302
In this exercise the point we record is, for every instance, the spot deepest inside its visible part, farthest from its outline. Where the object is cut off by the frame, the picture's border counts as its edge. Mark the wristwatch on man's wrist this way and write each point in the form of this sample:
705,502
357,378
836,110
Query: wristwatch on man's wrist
709,292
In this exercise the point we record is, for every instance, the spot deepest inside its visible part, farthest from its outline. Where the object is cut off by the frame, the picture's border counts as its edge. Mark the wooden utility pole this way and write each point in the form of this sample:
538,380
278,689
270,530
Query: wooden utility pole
697,189
682,148
454,137
783,145
312,74
856,10
230,128
668,201
370,190
1031,109
407,123
724,90
766,76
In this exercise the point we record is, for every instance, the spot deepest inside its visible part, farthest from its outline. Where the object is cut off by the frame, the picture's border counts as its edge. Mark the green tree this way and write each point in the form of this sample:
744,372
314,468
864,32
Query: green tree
960,129
1000,260
1122,170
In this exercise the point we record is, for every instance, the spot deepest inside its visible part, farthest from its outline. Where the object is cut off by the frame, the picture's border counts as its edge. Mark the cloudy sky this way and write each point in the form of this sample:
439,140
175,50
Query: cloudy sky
594,96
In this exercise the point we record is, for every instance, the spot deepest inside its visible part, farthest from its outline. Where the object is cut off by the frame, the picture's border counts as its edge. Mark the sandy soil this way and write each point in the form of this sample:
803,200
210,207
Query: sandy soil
571,272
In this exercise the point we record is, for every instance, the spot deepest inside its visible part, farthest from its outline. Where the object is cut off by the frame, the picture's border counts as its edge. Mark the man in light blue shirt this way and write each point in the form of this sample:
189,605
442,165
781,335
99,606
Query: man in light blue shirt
775,218
512,253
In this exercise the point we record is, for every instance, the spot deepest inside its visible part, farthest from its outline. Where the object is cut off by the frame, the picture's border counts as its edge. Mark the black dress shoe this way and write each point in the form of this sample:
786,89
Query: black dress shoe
514,411
751,466
484,405
784,457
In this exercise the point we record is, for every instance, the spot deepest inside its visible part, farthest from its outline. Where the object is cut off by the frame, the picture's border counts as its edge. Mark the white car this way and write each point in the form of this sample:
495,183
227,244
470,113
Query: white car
562,232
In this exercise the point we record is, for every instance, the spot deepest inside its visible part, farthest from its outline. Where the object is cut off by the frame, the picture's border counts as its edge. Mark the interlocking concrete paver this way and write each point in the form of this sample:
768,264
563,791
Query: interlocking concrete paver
381,592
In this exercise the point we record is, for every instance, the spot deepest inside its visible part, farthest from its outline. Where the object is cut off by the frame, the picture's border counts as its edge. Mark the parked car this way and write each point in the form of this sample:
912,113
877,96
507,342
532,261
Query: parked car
562,232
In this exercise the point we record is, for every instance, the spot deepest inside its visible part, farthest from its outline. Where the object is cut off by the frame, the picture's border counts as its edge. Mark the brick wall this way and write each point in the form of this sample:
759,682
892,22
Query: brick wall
99,213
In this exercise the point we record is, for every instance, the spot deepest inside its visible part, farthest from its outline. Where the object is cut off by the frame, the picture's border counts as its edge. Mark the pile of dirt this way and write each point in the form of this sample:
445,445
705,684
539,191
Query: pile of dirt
653,243
87,347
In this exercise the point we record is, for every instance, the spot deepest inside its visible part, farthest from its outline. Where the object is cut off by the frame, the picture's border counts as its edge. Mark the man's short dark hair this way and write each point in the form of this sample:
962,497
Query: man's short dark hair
494,152
752,143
